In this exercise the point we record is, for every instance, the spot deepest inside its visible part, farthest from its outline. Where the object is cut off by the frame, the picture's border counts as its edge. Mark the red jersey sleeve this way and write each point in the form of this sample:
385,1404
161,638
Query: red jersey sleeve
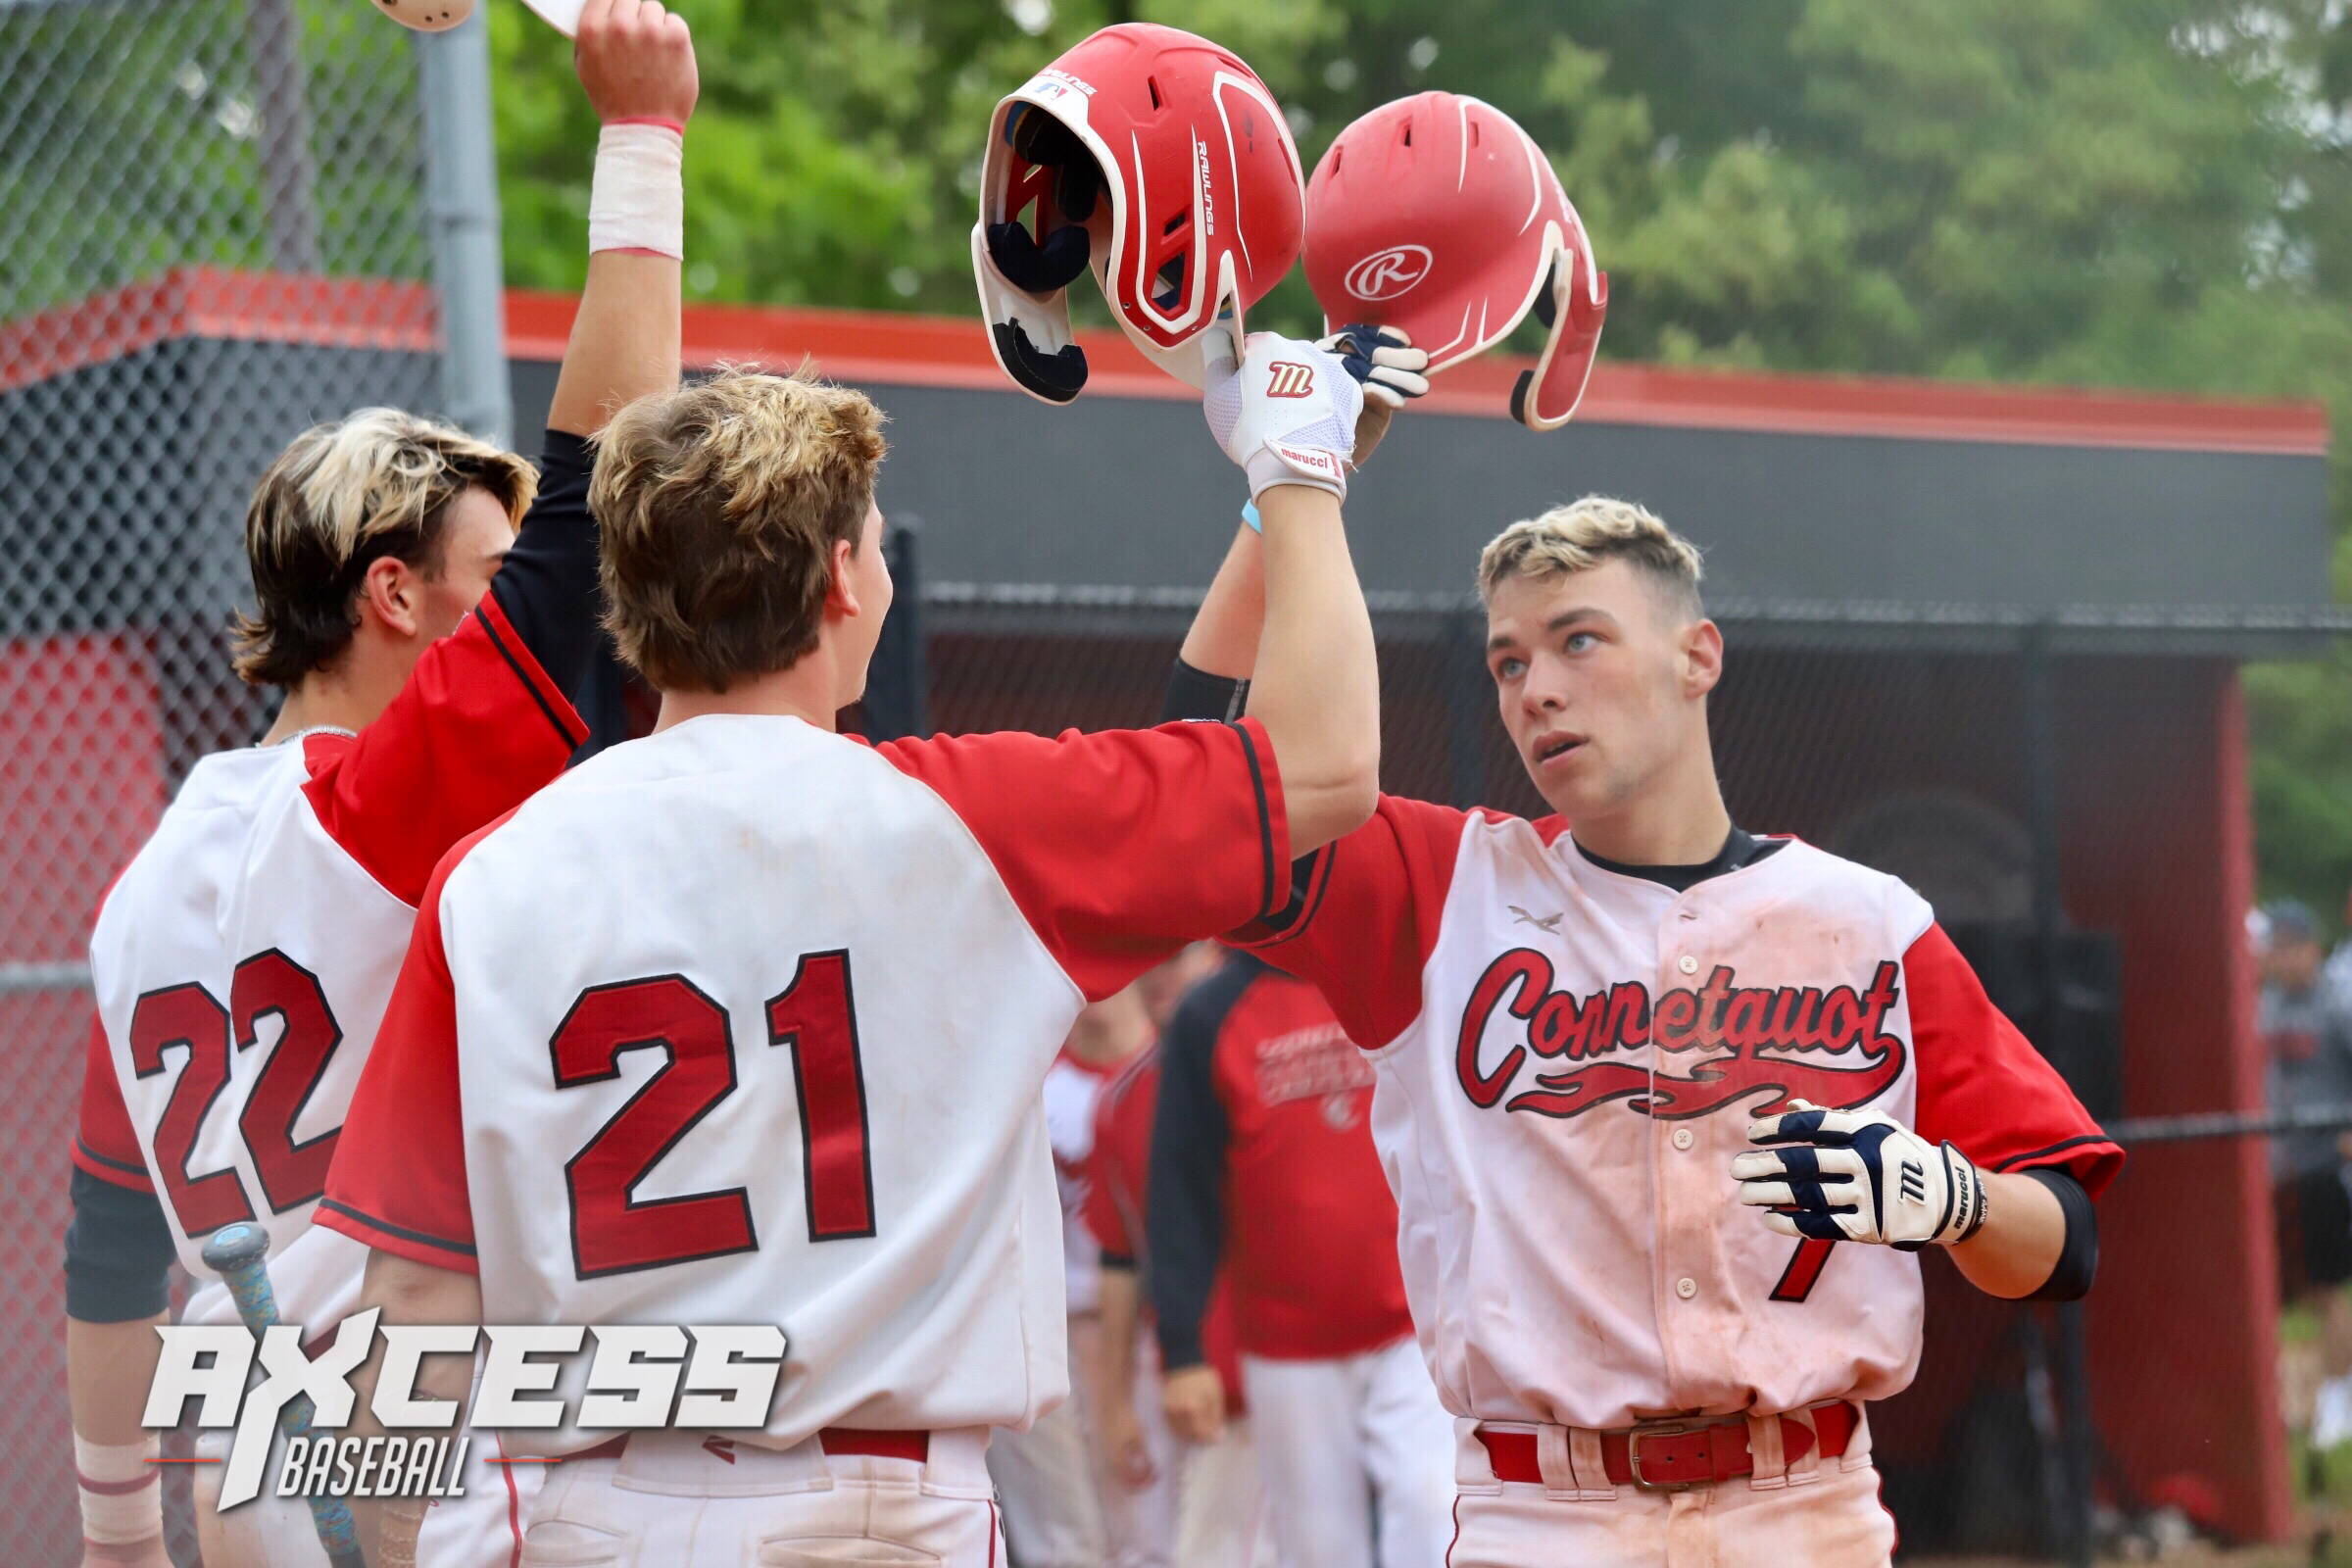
1120,847
104,1142
475,730
1982,1084
1363,915
398,1182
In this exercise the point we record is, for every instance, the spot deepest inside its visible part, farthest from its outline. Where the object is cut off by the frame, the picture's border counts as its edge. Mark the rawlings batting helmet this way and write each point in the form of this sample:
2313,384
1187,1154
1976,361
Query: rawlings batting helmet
1160,161
1438,216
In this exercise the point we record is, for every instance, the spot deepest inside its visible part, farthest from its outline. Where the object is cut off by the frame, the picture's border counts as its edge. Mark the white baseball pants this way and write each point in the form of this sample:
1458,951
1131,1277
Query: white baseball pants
682,1500
1354,1452
1823,1514
1221,1505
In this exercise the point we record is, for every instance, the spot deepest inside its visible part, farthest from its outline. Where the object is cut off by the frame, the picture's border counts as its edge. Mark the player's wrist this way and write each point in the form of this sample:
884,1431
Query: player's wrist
637,200
1971,1203
122,1501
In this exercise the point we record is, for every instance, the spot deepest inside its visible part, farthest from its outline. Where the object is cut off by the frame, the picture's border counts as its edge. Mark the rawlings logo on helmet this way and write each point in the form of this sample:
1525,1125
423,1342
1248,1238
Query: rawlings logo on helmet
1385,275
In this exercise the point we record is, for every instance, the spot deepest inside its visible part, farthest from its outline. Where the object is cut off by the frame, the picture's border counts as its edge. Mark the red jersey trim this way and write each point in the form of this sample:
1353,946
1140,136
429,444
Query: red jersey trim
385,1237
2104,1157
552,703
115,1172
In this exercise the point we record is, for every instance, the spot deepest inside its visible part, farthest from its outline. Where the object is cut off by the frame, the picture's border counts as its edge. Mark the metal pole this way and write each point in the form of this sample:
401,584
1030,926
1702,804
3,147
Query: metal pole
1464,684
2071,1514
453,71
289,182
898,697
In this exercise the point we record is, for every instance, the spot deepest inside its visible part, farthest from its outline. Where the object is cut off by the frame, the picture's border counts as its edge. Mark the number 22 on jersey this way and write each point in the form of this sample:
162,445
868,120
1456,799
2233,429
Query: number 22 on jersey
190,1018
814,1018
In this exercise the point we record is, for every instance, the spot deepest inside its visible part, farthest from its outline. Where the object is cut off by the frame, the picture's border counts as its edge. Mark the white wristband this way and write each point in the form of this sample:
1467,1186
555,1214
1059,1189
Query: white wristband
121,1500
638,199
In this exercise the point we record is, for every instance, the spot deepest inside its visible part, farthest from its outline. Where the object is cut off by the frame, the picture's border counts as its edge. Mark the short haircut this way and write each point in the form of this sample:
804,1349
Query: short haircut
720,504
1581,535
339,498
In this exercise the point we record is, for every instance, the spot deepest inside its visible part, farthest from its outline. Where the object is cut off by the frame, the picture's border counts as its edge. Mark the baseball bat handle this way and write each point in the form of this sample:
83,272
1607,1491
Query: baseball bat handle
240,1255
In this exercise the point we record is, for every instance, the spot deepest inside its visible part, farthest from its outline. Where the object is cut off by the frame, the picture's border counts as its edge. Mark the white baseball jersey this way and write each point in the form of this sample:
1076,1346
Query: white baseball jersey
243,959
1567,1061
747,1022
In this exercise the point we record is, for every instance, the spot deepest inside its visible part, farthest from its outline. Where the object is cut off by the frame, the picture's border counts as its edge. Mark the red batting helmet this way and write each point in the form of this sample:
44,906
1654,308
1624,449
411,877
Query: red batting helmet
1165,163
1438,216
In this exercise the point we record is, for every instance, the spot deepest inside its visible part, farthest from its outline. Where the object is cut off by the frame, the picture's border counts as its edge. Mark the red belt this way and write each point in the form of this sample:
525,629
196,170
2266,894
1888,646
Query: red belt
1671,1455
837,1440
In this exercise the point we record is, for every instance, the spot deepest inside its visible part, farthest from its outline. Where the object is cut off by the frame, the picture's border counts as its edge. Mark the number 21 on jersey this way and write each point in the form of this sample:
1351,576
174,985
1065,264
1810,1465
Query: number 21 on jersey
814,1018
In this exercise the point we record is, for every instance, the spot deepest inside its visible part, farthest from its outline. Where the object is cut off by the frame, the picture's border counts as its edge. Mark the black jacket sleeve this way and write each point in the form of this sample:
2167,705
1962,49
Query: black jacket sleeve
547,585
2079,1259
1185,1212
117,1253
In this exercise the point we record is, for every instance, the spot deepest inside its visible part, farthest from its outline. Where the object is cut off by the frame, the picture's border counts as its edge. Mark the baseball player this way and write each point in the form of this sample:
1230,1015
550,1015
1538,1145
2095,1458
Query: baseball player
1669,1107
747,1023
1262,1166
424,646
1212,1487
1060,1507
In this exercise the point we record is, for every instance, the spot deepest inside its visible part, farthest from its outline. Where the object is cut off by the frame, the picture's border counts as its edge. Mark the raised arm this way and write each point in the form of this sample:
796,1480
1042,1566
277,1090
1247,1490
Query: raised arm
1286,412
636,61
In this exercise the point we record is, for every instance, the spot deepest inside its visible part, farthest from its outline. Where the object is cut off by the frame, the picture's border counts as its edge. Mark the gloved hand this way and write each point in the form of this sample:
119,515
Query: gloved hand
1858,1176
1286,411
1383,359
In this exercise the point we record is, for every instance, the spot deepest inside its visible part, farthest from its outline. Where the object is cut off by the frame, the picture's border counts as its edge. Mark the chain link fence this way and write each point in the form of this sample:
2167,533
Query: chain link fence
212,232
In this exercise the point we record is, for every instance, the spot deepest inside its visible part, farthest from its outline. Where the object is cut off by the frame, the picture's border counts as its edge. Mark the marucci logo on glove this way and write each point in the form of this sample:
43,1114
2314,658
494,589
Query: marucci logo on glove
1288,378
638,1377
1314,460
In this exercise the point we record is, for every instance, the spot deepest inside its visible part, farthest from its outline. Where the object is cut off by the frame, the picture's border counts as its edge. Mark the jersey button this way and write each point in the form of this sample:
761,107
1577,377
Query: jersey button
1686,963
1681,1137
1686,1288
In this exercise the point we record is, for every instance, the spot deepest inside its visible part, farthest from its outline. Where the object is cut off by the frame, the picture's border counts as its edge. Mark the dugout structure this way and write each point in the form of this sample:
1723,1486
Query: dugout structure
1987,638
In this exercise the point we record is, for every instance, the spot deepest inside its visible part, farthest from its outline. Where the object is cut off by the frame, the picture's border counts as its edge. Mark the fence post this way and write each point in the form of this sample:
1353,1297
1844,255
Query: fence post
897,698
2070,1512
289,178
1463,683
453,71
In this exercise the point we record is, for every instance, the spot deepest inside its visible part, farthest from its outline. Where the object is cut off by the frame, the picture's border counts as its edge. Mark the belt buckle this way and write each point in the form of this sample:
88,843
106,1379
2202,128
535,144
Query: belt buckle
1660,1429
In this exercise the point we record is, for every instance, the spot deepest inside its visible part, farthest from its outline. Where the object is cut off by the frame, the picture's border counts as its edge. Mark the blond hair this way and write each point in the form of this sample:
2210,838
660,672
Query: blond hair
340,496
720,504
1581,535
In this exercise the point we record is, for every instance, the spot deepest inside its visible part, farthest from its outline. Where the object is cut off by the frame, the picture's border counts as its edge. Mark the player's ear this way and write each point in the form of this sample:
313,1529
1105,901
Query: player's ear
841,591
1703,657
390,591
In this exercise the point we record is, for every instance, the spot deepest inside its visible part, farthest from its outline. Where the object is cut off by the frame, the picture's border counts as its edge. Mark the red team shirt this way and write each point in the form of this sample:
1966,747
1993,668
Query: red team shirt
957,900
1264,1163
1567,1060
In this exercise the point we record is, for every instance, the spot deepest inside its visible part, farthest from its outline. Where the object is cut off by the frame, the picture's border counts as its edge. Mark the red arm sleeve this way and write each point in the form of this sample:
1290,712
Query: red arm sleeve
398,1182
477,729
1982,1084
105,1144
1120,847
1363,917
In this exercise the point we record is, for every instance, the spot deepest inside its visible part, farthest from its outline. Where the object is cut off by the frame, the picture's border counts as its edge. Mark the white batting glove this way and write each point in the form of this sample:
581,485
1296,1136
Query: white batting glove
1383,359
1858,1176
1286,412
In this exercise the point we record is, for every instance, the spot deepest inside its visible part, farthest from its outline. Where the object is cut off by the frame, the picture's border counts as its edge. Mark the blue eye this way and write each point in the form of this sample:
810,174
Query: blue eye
1577,642
1509,669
